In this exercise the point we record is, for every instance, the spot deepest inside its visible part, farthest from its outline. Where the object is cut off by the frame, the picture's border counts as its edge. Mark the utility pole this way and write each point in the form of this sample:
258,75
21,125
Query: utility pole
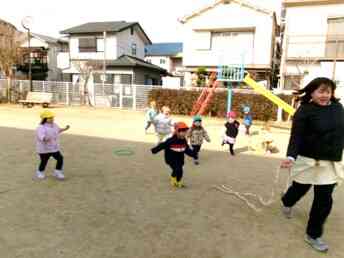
104,62
27,23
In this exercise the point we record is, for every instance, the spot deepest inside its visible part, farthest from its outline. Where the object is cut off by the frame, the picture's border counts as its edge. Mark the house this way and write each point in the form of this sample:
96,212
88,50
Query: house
230,32
313,42
168,56
44,51
112,51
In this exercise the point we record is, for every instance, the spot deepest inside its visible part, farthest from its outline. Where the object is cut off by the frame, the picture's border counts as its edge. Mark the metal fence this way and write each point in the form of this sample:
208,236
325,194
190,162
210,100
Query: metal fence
122,96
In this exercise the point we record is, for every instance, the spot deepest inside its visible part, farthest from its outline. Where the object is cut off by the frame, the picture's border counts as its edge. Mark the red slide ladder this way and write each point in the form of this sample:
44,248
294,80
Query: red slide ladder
204,100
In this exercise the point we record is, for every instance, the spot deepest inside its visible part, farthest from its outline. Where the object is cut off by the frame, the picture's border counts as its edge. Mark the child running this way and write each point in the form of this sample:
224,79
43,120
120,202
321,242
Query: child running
231,131
150,115
247,121
47,142
197,134
163,124
175,148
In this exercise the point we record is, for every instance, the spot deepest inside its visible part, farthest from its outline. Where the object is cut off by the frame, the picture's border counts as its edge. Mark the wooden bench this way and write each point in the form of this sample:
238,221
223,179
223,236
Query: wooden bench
41,98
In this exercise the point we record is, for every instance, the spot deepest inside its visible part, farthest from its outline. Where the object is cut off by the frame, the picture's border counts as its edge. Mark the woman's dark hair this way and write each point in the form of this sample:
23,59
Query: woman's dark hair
305,94
44,120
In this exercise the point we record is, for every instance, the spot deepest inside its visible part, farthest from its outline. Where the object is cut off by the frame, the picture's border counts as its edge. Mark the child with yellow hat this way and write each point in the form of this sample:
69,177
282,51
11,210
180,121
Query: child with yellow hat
175,147
47,143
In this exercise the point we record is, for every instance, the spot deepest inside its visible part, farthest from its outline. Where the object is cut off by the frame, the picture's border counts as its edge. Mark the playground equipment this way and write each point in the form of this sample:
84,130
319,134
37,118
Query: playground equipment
230,74
206,96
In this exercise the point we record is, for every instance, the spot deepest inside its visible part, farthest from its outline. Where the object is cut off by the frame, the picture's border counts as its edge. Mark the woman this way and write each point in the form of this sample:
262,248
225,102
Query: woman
314,155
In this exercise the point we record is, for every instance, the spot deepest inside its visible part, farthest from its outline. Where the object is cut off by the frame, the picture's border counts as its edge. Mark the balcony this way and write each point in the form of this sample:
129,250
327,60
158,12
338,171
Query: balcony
314,47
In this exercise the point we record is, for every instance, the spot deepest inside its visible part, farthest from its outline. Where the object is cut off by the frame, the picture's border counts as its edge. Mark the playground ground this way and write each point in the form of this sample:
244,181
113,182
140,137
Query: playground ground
122,206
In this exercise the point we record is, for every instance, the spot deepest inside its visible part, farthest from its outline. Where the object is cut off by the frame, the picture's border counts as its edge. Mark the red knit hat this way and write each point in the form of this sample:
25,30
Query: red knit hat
181,126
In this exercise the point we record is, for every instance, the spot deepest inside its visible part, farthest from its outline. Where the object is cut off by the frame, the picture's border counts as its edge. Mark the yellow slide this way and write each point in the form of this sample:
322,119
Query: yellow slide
269,95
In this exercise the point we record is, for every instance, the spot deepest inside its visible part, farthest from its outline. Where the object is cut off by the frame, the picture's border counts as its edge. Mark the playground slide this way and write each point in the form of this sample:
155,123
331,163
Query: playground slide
269,95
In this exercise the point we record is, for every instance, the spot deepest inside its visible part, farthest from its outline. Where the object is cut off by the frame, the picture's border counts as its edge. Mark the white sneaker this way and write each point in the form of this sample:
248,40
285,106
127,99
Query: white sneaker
40,175
287,211
318,244
59,174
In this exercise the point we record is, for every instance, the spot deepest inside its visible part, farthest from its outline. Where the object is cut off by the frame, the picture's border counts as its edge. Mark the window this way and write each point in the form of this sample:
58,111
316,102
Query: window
87,44
100,45
131,30
162,61
99,77
335,37
232,40
149,60
133,49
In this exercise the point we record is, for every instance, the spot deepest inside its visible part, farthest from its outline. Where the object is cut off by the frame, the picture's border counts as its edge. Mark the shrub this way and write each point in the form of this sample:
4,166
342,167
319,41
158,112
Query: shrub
182,101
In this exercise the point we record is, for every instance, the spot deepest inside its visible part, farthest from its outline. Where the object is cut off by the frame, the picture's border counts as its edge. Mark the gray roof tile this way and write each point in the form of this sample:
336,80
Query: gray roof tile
96,27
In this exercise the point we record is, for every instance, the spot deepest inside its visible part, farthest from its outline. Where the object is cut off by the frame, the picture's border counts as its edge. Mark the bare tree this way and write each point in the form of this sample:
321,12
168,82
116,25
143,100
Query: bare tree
9,52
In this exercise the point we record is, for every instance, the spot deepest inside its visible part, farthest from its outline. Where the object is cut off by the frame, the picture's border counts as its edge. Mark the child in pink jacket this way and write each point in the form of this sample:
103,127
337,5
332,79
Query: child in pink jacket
47,143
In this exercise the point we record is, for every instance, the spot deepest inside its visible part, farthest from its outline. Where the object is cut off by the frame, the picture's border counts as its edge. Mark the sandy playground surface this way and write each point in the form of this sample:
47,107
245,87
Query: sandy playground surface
123,206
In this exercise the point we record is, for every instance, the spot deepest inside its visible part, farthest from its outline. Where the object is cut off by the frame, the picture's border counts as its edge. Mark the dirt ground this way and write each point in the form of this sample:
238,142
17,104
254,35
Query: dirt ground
123,206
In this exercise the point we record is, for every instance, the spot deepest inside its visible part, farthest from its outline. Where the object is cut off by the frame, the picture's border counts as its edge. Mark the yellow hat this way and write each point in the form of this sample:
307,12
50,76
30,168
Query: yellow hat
47,114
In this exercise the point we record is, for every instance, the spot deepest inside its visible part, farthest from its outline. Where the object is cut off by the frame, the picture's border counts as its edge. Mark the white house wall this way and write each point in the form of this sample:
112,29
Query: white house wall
228,17
306,29
35,43
111,49
305,36
156,61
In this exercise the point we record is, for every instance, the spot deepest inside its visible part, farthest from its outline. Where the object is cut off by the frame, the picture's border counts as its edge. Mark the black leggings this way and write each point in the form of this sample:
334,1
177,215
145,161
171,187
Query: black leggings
148,124
231,148
321,207
196,149
46,156
177,172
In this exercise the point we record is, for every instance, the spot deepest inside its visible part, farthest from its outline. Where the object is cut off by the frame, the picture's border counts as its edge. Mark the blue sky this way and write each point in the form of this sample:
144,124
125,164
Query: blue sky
157,17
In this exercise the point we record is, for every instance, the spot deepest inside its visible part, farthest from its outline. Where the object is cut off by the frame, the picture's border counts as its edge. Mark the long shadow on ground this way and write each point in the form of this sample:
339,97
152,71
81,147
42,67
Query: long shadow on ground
123,206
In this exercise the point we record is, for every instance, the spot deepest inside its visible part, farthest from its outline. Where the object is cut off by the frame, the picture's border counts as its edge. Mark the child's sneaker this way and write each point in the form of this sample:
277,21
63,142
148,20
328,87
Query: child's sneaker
318,244
173,181
196,162
40,175
58,174
180,184
287,211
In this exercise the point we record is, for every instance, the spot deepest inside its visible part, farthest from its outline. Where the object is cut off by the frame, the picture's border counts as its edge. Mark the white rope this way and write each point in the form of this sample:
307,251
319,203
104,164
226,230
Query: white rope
243,196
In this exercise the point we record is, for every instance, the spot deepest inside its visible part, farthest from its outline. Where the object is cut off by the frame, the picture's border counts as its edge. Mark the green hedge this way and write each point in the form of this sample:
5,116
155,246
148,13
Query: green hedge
182,101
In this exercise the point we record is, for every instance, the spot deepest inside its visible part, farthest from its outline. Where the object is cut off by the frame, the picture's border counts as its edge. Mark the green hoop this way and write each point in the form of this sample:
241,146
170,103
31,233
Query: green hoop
123,152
